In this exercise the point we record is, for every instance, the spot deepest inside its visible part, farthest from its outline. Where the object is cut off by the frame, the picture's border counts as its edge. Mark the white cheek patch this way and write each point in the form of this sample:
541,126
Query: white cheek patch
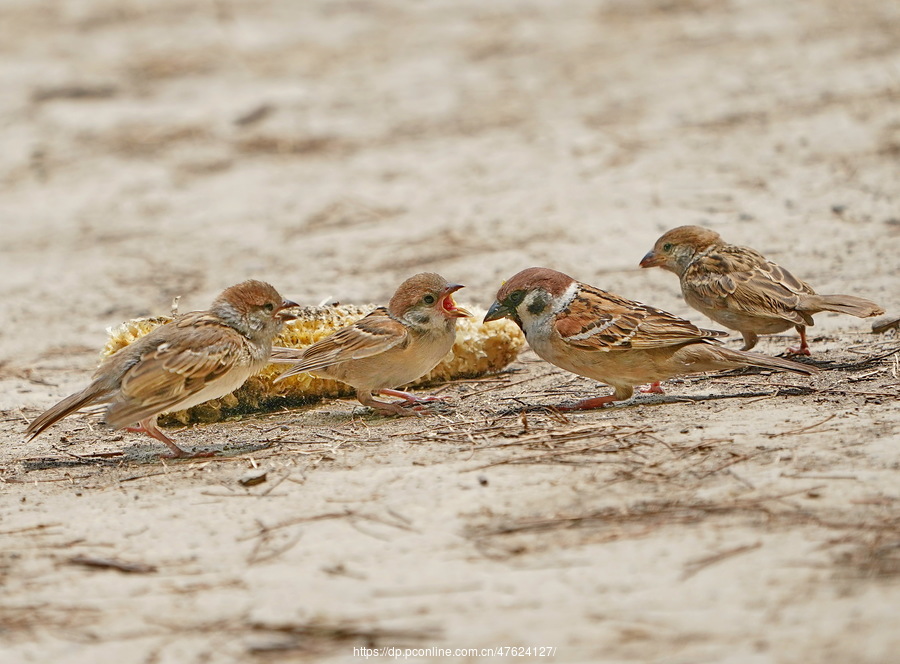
550,304
524,310
535,299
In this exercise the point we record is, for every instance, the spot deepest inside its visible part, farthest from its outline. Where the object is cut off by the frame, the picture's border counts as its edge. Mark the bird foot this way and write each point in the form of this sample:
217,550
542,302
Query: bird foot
802,349
176,452
589,404
655,388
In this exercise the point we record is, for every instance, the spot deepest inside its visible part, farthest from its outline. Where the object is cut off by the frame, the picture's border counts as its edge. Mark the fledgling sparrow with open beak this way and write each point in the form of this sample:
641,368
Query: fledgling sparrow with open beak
198,356
388,348
619,342
742,290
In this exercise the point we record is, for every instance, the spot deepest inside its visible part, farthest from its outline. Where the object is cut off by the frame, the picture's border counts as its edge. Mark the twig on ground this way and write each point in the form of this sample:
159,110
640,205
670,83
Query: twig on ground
110,563
695,566
805,429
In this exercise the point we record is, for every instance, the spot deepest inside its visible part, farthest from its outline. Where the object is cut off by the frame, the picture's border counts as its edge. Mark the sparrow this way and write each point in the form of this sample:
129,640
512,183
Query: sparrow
390,347
739,288
198,356
622,343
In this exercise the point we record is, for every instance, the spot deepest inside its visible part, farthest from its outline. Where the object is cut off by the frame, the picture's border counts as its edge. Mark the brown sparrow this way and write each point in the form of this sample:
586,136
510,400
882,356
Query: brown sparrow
620,342
390,347
738,288
199,356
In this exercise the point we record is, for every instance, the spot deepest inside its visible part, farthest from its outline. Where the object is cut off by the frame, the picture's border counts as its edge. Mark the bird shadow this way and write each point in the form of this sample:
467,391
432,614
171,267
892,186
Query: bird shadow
655,400
57,463
136,454
336,414
832,365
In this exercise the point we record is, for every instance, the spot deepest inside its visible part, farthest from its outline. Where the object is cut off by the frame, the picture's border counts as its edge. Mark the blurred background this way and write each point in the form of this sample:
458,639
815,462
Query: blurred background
154,148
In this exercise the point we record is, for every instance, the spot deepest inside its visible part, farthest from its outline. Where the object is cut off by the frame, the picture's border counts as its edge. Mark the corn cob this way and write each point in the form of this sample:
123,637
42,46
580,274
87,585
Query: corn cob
480,348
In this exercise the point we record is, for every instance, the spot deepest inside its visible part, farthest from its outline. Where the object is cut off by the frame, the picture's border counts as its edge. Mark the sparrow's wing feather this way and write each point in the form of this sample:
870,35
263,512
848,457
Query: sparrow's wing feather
742,280
172,372
371,335
597,320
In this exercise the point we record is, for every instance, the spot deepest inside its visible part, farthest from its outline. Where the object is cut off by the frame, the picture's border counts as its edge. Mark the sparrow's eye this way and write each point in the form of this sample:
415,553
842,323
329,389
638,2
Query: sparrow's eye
667,247
517,297
428,299
268,307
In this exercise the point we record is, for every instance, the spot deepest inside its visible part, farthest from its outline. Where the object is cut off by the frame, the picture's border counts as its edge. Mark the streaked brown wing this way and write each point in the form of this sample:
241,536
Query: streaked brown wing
741,280
597,320
170,373
779,275
371,335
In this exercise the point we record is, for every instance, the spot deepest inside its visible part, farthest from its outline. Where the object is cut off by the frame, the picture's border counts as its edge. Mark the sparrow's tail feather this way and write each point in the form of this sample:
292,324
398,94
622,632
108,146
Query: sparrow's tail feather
295,356
91,394
293,371
282,355
842,304
745,358
288,355
303,367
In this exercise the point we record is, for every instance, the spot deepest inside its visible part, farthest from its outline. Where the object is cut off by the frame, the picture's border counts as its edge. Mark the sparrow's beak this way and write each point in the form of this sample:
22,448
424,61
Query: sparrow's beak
498,311
282,315
651,260
451,309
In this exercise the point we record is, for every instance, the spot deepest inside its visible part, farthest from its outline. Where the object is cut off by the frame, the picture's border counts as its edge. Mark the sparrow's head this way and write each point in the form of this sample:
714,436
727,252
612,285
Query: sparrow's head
675,250
530,294
253,308
426,300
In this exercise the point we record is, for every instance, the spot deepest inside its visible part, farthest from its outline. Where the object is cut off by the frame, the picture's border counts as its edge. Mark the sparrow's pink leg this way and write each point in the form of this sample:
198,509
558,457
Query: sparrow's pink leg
385,407
588,404
655,388
803,348
149,427
411,398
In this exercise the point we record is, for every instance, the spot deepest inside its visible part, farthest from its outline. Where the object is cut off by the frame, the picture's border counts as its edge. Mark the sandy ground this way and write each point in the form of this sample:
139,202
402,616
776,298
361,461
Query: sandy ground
163,148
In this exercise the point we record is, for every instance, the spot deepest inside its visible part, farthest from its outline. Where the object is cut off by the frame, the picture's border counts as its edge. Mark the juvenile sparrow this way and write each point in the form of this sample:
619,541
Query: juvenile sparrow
619,342
742,290
199,356
388,348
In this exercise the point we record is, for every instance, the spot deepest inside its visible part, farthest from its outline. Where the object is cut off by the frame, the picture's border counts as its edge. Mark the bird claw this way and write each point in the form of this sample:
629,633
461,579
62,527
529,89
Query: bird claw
798,350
